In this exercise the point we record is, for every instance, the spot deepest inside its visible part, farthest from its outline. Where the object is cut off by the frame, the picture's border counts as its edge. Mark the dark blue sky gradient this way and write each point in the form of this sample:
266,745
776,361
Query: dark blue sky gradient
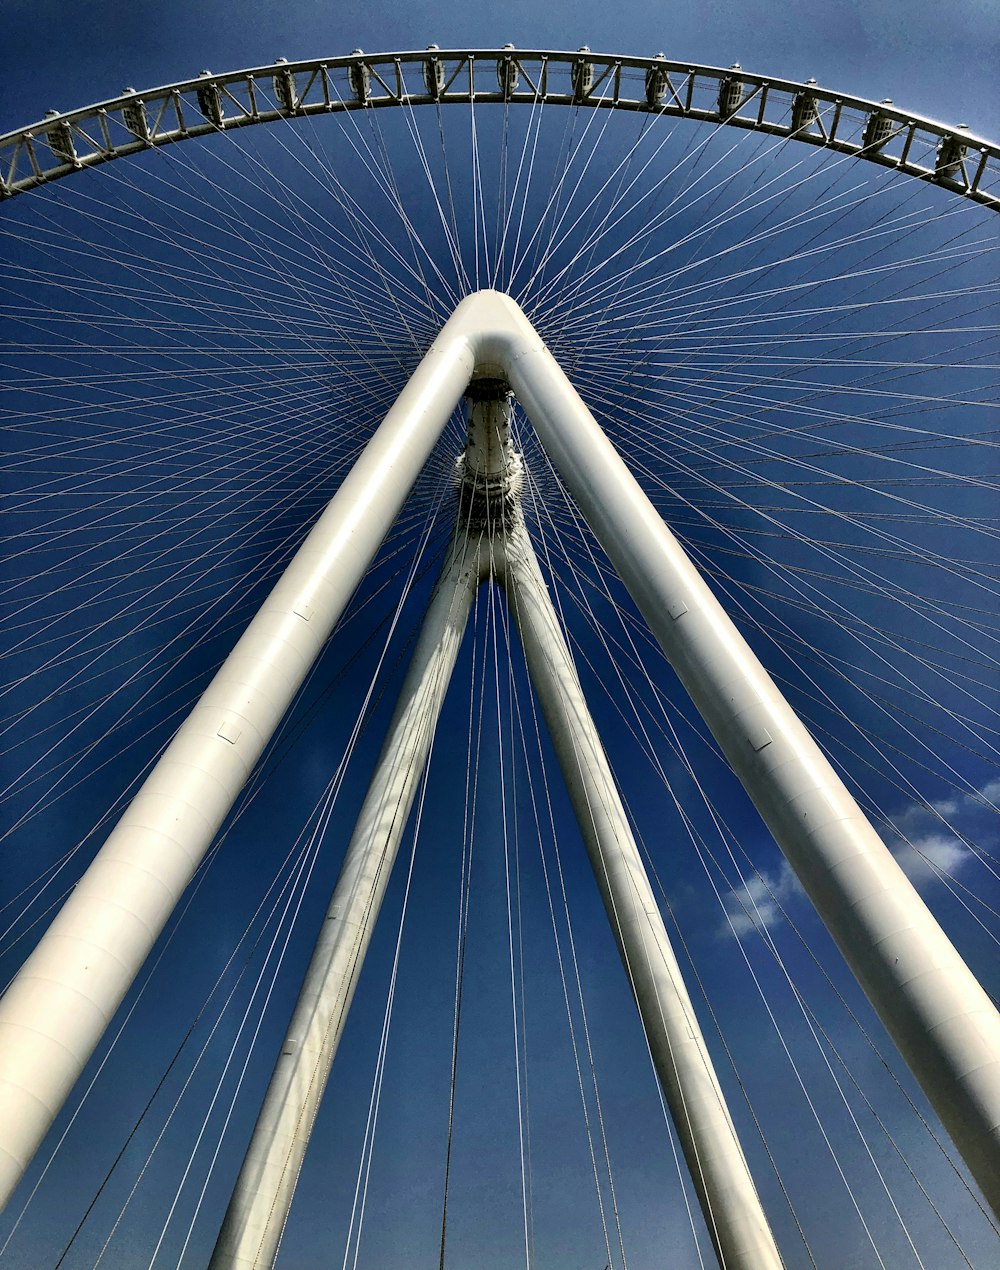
940,64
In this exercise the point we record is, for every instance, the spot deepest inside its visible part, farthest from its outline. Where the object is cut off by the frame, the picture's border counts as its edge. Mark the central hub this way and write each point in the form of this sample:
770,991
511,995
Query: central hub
490,472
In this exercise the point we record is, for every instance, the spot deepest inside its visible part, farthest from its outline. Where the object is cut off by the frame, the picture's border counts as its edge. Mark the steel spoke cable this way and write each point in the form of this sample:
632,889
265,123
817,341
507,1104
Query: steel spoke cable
664,217
165,520
910,791
379,167
536,117
479,231
143,430
291,896
327,801
234,586
893,539
313,408
469,807
207,592
134,1006
357,249
869,628
361,224
555,241
255,787
898,548
494,641
171,547
217,622
901,595
88,711
75,761
875,633
930,808
694,303
939,560
380,1065
225,492
552,833
952,884
449,226
747,273
954,238
913,794
501,197
331,794
560,169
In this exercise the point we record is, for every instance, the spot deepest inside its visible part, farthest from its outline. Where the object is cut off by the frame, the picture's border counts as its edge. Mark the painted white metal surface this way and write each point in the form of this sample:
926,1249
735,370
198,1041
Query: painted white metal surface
729,1201
265,1187
263,1194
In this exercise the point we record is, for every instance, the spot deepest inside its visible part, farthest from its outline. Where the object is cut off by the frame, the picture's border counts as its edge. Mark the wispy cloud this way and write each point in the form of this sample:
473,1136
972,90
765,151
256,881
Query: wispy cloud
756,905
925,839
933,838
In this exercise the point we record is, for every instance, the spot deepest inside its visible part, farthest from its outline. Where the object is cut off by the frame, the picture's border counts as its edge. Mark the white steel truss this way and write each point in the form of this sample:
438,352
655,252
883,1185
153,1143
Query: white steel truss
943,1022
880,132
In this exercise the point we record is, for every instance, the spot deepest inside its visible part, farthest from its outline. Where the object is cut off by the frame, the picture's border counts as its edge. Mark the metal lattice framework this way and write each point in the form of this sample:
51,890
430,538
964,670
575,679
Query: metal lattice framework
63,143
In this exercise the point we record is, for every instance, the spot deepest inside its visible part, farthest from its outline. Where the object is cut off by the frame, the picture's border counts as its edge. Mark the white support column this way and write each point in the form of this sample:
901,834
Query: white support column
263,1195
58,1006
945,1025
729,1201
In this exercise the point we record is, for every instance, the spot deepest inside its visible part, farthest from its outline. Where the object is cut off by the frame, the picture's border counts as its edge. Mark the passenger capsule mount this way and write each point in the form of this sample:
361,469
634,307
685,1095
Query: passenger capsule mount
657,83
433,72
359,77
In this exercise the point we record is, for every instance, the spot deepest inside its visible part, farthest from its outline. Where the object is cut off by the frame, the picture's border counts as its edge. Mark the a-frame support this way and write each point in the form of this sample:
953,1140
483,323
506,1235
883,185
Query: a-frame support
55,1011
491,542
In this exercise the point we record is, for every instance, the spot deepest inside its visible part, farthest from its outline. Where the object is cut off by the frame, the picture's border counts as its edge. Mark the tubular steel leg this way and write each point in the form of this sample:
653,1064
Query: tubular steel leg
56,1009
729,1201
259,1207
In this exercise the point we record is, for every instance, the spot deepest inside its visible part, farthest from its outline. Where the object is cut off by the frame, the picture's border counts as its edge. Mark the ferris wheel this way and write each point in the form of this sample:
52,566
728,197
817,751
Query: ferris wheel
652,403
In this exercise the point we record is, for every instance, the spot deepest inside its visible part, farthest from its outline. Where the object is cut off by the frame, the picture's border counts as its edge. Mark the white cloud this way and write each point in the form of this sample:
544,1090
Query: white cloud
758,904
922,857
991,792
930,839
926,839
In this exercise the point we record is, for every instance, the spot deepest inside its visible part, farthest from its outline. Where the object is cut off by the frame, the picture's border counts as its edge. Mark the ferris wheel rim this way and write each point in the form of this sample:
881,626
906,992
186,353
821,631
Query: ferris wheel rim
413,67
66,142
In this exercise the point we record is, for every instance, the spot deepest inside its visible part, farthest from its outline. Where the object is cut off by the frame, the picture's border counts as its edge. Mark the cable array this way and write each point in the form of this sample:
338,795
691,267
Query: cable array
796,353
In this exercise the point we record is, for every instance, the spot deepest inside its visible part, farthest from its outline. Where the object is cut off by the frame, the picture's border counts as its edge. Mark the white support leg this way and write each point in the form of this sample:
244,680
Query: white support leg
729,1201
259,1207
65,995
945,1025
57,1008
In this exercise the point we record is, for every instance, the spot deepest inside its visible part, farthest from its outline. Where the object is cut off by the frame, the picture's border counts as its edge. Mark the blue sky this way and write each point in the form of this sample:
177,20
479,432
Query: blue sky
939,64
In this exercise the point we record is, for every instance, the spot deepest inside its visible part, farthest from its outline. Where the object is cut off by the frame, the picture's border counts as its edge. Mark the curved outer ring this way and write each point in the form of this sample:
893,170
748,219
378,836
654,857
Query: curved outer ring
879,132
